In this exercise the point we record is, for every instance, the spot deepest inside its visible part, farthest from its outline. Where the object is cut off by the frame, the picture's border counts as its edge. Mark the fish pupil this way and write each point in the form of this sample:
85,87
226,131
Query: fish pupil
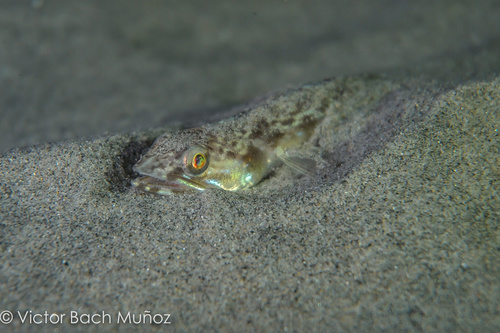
199,161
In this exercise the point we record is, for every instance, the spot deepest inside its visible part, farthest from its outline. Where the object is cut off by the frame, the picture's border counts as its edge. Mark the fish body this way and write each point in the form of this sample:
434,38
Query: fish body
235,153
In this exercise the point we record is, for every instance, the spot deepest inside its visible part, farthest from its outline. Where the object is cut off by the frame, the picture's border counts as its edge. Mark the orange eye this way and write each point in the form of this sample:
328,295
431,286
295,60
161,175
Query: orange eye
199,161
196,160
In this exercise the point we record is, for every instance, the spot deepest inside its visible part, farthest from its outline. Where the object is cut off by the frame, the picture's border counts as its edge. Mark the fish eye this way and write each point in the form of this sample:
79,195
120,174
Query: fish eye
199,161
196,160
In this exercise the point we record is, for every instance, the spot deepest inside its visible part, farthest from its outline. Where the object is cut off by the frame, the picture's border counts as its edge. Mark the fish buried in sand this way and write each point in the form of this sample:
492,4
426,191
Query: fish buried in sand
236,153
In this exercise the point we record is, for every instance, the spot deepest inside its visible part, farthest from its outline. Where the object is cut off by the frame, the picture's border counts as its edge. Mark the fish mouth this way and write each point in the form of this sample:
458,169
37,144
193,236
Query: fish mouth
166,187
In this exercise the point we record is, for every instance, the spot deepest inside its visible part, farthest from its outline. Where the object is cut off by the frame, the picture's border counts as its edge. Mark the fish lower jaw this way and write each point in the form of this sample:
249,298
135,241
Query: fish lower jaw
163,187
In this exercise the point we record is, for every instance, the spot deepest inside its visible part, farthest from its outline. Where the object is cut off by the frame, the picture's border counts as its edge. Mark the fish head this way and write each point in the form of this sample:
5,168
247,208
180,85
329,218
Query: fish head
191,160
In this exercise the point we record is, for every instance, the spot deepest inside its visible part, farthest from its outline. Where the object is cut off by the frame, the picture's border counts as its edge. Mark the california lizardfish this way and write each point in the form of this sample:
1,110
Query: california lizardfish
237,153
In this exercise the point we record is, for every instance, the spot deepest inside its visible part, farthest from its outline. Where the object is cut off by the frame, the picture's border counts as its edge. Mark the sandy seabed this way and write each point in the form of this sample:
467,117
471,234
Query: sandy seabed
398,231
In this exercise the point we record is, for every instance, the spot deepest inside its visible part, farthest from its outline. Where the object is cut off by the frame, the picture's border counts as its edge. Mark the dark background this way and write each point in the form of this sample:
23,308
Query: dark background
83,68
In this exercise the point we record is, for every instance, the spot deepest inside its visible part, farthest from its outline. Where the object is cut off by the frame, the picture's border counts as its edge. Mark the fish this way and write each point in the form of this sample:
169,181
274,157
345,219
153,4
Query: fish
236,153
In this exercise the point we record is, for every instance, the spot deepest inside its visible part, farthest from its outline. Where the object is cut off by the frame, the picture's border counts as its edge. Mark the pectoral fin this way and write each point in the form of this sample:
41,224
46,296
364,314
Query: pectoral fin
302,165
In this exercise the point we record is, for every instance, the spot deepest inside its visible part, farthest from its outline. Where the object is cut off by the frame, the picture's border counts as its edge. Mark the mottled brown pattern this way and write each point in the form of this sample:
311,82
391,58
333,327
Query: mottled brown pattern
325,103
256,133
287,121
274,137
179,154
253,153
174,173
230,154
299,107
243,148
